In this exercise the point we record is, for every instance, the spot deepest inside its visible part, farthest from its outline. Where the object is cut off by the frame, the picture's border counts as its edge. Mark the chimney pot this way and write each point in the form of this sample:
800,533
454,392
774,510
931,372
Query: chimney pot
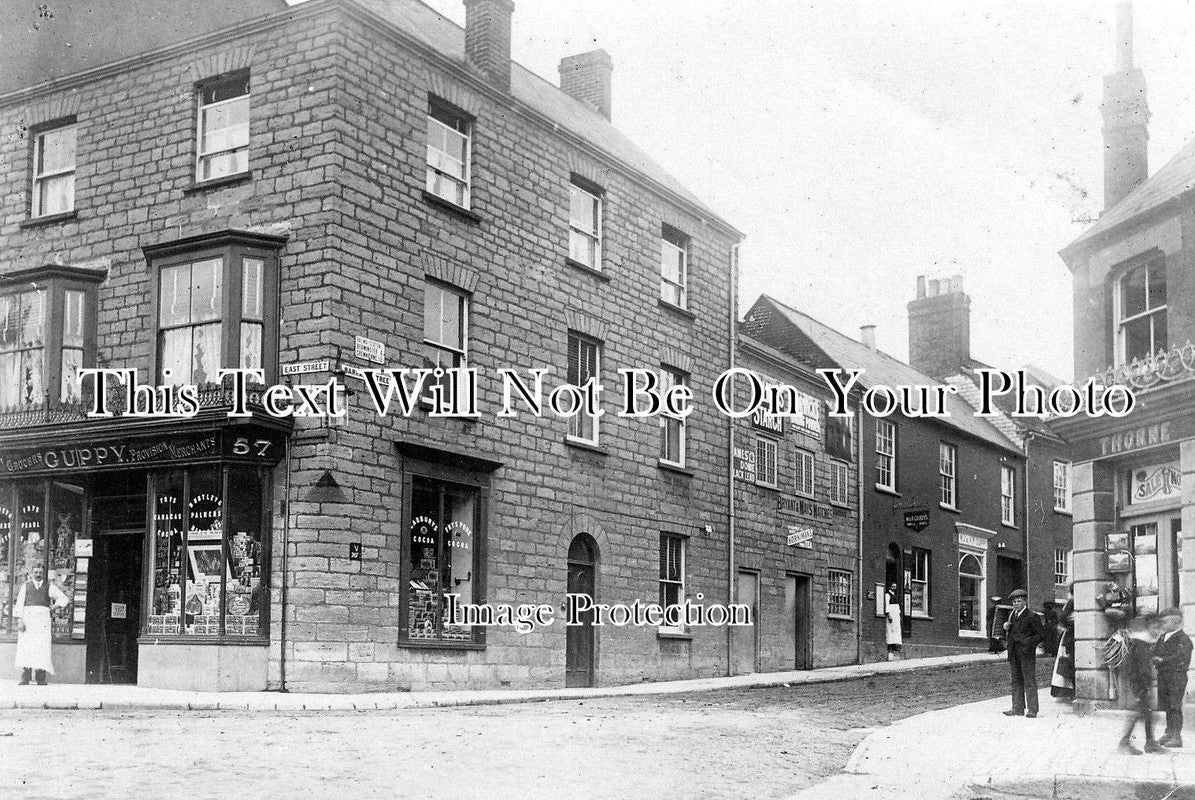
487,38
920,286
934,288
867,335
586,77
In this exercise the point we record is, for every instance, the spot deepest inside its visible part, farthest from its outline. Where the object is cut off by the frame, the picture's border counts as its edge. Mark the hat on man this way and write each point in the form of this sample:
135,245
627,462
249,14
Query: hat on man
1015,593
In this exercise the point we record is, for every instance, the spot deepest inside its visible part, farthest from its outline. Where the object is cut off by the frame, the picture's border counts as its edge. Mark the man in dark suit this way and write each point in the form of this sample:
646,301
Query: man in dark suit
1024,633
1172,658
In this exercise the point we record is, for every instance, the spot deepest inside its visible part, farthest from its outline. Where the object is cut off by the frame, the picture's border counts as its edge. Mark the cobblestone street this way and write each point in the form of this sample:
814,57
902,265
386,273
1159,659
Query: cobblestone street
736,743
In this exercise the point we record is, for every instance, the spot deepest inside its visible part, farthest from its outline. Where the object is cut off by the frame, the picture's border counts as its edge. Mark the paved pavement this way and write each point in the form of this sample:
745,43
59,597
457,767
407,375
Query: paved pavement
974,751
84,696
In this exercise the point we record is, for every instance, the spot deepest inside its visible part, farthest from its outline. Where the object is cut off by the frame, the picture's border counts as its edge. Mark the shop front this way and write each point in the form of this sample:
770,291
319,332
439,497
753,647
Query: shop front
160,539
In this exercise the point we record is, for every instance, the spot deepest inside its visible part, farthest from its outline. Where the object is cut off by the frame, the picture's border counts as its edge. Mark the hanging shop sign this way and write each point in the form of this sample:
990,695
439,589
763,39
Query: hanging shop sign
798,505
800,537
744,464
1158,482
917,520
241,445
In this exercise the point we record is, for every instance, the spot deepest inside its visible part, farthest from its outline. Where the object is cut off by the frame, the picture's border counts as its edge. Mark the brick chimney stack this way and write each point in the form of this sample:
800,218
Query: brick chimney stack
586,77
1126,116
487,39
867,335
940,327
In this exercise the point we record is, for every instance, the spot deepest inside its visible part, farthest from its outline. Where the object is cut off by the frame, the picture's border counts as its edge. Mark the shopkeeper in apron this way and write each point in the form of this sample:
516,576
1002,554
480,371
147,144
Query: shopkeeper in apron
34,601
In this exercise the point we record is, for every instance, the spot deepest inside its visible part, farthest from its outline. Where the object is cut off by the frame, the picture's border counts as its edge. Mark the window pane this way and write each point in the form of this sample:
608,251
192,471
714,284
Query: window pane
1132,293
72,362
56,195
583,210
1160,339
57,150
251,345
72,319
1137,339
582,248
8,582
207,290
251,288
460,506
205,553
246,590
66,506
174,356
1157,284
174,296
10,383
205,358
30,544
423,561
167,606
32,318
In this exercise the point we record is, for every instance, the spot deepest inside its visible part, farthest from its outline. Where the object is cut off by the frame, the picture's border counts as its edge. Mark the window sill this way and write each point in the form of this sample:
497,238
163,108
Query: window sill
448,205
673,633
677,310
414,644
1009,525
217,183
774,487
972,635
1064,512
588,270
886,490
845,506
951,509
581,444
926,617
183,638
670,467
843,617
49,219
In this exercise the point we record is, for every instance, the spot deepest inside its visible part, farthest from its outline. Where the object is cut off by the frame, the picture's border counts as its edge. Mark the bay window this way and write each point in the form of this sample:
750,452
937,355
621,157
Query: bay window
47,334
217,305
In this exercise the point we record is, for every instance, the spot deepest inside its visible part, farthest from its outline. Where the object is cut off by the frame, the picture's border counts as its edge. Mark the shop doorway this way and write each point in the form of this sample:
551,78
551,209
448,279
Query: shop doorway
797,643
579,644
1009,576
746,637
114,606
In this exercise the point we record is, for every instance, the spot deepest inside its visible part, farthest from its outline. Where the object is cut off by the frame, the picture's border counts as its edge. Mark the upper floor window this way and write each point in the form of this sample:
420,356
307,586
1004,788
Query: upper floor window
448,152
223,127
47,334
804,473
54,170
1141,312
585,226
839,483
885,455
765,461
1008,495
217,306
674,267
583,366
672,428
948,481
1062,566
445,332
1062,486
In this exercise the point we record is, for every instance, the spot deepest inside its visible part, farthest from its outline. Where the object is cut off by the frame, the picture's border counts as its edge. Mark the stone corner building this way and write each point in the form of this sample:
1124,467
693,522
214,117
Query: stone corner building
1134,511
311,189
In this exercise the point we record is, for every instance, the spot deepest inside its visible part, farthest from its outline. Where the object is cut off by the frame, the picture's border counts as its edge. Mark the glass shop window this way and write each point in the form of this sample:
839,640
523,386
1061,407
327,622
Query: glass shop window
441,558
26,539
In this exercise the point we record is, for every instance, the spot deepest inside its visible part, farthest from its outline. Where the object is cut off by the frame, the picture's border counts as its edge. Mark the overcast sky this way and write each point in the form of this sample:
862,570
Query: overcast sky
861,145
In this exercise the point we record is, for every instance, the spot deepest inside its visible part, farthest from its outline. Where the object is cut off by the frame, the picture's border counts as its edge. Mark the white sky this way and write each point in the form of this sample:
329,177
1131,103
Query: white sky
860,145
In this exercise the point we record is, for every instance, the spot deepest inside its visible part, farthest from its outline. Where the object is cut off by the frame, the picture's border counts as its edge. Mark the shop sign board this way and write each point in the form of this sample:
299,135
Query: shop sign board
305,367
917,519
744,464
971,540
800,537
370,350
768,422
1156,482
799,505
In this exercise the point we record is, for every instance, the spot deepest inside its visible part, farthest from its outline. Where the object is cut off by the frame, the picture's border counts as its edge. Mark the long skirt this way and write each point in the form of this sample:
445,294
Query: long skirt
33,645
1062,682
892,634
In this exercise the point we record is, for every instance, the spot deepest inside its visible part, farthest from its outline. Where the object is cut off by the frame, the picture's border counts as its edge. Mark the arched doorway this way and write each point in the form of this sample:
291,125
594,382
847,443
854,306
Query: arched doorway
582,579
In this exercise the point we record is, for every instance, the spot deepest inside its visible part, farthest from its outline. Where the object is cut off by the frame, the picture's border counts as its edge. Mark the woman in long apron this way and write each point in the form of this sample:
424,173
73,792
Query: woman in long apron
1062,682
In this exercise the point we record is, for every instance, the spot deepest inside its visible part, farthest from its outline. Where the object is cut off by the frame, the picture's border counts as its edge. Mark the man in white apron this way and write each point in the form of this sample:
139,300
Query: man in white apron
33,605
892,612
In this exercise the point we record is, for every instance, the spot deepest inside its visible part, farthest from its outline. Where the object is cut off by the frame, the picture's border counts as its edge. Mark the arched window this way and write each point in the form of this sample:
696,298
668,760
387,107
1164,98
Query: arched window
972,582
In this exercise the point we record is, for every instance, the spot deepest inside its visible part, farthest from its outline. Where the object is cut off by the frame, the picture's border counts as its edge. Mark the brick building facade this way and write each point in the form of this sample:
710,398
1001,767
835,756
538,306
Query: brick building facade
322,188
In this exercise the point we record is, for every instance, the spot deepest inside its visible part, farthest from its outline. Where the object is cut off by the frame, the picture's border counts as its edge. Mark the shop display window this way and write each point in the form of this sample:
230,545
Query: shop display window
441,558
39,522
208,554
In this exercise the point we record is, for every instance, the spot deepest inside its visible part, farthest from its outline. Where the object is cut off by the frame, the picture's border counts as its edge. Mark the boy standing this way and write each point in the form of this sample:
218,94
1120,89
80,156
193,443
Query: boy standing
1172,658
1138,668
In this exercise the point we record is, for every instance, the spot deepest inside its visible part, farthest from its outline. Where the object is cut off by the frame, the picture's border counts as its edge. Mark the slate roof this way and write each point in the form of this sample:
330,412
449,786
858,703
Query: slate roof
833,349
1176,177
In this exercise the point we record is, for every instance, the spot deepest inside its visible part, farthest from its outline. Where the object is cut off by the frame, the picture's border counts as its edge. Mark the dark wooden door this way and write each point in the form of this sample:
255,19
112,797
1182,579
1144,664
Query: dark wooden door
796,617
114,608
578,652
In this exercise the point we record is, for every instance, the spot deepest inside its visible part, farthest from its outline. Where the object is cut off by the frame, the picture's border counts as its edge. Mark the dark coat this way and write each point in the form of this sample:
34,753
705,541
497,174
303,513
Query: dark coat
1138,666
1175,655
1024,633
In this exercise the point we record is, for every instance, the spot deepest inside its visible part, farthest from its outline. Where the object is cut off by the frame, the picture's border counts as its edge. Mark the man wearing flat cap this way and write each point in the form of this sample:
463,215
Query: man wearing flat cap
1024,633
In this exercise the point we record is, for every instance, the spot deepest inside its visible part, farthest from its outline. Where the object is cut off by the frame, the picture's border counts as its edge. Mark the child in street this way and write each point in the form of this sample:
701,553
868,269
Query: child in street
1172,658
1138,667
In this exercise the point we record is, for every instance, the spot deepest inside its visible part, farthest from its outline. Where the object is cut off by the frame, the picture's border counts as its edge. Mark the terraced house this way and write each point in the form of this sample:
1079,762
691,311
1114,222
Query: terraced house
312,189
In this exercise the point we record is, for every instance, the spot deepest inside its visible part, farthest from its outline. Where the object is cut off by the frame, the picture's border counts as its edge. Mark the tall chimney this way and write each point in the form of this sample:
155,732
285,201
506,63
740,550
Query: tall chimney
1126,116
586,77
487,38
940,327
867,335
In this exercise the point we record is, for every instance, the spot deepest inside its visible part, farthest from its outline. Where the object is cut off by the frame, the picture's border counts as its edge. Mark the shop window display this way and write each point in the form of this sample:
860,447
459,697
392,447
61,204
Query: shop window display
25,540
441,555
209,563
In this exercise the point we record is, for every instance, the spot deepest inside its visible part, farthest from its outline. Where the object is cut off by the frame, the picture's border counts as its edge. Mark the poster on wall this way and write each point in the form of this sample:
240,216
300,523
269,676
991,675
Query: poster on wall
1160,482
